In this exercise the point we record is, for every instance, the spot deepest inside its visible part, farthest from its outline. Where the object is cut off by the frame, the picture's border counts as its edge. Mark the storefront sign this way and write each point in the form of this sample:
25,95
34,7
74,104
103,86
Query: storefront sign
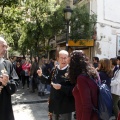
81,43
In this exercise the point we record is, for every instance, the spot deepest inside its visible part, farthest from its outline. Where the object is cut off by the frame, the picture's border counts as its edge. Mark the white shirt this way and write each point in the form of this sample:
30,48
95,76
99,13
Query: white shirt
115,83
63,67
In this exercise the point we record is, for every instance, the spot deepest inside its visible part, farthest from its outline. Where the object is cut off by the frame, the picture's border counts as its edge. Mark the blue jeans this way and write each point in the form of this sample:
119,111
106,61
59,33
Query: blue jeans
41,87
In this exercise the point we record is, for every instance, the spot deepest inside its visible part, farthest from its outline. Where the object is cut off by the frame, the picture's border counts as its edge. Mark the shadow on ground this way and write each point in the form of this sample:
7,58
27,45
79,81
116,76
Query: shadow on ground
29,106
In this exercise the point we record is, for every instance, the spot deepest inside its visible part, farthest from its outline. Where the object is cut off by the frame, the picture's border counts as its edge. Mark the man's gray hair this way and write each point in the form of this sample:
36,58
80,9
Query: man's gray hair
63,52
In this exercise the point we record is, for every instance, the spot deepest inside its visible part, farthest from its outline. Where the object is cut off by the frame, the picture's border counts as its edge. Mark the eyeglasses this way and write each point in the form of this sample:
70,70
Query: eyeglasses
61,58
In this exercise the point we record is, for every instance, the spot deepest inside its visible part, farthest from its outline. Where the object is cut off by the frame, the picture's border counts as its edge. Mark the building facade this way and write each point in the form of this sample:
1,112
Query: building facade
107,29
107,43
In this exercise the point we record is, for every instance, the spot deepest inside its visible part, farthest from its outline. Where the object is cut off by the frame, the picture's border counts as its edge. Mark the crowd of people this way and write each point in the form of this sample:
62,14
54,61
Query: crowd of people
72,77
26,70
69,79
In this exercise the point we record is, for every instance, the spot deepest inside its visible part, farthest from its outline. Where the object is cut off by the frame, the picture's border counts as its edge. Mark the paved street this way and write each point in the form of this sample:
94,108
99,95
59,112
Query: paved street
31,111
29,106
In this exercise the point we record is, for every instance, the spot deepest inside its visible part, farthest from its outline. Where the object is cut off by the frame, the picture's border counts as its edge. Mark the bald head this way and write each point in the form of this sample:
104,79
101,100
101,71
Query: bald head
2,40
63,52
63,58
3,47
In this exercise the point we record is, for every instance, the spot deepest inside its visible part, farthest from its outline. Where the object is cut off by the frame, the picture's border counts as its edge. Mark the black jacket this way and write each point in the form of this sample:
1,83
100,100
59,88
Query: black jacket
61,101
6,112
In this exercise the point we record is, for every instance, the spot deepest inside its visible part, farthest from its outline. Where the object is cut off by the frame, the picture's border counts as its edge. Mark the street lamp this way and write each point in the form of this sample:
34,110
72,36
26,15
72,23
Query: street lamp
67,12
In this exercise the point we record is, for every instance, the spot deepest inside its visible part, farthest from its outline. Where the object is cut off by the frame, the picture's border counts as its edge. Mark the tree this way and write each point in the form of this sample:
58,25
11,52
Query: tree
7,3
44,22
10,25
82,24
36,13
10,22
30,25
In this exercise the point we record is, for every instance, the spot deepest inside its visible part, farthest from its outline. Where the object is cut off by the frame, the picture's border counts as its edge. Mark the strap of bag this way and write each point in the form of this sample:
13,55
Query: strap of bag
53,73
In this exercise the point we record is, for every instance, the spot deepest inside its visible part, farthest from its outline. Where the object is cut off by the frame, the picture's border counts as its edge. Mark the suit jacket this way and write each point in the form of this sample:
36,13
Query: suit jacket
6,112
86,96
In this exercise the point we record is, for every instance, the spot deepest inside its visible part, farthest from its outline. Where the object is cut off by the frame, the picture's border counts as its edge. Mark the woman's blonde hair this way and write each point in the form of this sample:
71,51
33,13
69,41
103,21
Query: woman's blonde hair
105,65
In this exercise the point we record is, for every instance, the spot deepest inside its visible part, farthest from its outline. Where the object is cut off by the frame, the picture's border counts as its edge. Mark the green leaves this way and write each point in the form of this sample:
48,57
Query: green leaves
8,2
10,27
82,24
30,24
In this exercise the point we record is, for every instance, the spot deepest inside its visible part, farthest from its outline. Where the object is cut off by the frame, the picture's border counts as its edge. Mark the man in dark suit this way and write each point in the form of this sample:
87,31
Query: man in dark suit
61,103
8,83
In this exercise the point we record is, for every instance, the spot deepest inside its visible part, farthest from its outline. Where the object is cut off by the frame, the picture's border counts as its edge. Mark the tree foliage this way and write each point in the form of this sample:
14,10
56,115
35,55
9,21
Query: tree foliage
82,24
45,21
30,24
10,25
36,28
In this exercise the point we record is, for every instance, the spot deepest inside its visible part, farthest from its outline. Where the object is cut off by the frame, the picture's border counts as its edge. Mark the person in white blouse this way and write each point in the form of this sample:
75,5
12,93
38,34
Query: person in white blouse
115,88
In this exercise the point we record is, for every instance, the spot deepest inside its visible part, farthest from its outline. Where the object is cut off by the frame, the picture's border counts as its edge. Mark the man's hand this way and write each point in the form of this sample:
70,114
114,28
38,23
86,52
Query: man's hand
1,87
56,86
39,72
4,79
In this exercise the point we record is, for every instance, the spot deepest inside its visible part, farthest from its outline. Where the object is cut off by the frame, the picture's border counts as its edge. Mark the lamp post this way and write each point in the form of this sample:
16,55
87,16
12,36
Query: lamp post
67,13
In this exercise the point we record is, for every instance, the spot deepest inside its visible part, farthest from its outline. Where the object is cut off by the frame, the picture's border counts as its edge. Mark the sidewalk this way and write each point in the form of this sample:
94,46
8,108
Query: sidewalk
29,106
24,96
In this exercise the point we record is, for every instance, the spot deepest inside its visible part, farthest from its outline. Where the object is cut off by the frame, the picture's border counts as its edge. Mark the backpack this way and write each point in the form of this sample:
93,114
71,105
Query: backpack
105,102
